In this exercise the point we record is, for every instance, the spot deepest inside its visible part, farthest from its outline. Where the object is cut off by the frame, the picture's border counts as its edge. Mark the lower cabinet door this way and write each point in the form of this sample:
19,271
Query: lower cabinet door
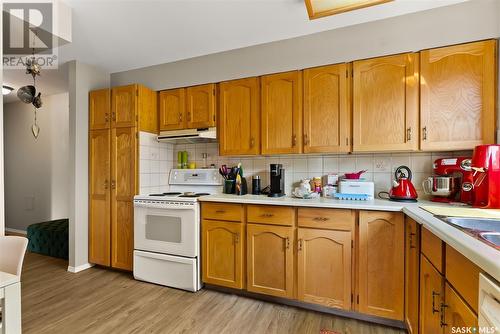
431,297
412,271
381,264
324,267
270,260
222,253
457,313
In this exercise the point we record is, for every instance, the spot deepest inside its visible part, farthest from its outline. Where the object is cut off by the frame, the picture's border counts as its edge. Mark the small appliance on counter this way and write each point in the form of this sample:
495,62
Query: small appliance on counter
486,176
451,182
402,189
277,188
352,189
256,185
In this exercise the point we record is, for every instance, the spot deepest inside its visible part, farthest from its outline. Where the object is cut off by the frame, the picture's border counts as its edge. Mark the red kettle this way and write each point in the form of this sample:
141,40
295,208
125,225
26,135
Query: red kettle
402,189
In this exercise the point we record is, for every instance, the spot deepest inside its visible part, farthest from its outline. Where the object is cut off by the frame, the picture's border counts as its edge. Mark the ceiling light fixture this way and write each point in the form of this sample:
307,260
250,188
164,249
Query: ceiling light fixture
321,8
6,90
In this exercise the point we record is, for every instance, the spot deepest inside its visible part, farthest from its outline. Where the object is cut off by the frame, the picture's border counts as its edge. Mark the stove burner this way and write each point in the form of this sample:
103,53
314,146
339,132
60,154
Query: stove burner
193,195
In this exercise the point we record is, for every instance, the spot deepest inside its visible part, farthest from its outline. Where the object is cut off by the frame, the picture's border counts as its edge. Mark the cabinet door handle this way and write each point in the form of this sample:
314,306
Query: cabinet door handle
189,117
180,117
113,184
252,142
287,243
306,139
442,317
346,141
434,309
236,238
294,140
408,134
106,184
424,133
411,240
299,246
113,116
106,117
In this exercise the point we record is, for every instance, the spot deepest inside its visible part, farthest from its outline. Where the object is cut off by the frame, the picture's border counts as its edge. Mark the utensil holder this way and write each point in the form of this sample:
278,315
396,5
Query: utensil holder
229,186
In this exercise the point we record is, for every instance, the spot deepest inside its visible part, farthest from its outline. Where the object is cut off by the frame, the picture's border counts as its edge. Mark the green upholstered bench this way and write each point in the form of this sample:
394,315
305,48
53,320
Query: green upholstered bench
49,238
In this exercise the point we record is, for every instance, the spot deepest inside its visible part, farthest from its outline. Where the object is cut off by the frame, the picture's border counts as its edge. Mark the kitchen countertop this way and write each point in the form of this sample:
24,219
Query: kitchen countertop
484,256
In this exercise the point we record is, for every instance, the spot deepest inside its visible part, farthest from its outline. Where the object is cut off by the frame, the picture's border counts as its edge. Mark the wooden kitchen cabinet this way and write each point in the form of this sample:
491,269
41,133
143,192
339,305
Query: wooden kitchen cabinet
458,88
270,267
172,109
99,109
385,103
134,106
324,267
381,264
200,106
326,109
239,117
99,197
223,253
412,274
281,113
431,298
123,189
456,312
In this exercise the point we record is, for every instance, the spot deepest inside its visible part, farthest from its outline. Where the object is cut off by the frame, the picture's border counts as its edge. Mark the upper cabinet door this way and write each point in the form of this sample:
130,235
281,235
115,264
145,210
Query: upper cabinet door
148,110
281,100
385,104
172,109
99,109
200,106
239,117
326,109
458,96
124,106
381,264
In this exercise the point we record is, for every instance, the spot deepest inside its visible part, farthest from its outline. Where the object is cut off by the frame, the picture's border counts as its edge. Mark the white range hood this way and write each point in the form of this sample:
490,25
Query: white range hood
189,136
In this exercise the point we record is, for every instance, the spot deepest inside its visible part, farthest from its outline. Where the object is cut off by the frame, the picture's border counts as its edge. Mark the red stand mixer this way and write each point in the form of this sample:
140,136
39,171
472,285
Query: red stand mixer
452,181
486,175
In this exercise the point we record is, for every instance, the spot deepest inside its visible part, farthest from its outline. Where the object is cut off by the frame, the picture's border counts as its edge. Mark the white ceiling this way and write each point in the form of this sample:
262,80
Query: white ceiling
119,35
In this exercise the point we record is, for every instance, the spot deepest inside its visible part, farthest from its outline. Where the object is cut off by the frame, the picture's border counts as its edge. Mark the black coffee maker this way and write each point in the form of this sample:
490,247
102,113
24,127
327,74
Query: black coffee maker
277,181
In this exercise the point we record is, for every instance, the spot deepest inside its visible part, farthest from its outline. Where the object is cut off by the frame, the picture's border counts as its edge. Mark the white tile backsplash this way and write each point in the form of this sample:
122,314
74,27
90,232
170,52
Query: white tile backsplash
380,167
155,162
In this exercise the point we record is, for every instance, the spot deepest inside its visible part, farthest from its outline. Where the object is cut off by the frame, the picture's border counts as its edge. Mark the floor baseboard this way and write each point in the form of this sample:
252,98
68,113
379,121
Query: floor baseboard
80,268
15,231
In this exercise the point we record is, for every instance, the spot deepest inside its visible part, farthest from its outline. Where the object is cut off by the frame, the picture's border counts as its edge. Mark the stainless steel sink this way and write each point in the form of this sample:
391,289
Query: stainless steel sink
491,237
483,229
477,224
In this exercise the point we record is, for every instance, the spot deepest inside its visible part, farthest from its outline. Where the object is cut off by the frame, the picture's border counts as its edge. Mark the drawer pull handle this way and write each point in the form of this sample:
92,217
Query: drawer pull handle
267,215
320,219
434,309
220,211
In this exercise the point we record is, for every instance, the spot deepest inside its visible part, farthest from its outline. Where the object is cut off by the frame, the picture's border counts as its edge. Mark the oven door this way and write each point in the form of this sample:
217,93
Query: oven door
172,231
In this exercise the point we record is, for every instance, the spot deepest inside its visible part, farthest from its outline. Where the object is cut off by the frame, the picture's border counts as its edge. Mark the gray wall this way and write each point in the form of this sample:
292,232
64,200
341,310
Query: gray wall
36,185
82,78
468,21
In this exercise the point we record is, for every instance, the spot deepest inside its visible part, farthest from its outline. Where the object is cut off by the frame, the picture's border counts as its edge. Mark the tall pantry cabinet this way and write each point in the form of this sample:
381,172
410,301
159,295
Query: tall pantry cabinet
115,116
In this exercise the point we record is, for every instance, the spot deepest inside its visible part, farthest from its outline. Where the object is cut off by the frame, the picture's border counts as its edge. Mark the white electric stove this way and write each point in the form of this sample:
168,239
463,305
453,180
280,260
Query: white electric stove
167,230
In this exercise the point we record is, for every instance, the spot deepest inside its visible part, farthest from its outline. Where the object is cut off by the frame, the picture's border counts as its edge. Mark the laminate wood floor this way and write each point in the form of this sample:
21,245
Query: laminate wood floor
103,301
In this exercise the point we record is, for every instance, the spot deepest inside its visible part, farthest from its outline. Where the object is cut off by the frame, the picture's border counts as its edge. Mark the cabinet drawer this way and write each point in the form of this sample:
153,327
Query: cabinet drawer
269,214
463,276
222,211
332,219
432,248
